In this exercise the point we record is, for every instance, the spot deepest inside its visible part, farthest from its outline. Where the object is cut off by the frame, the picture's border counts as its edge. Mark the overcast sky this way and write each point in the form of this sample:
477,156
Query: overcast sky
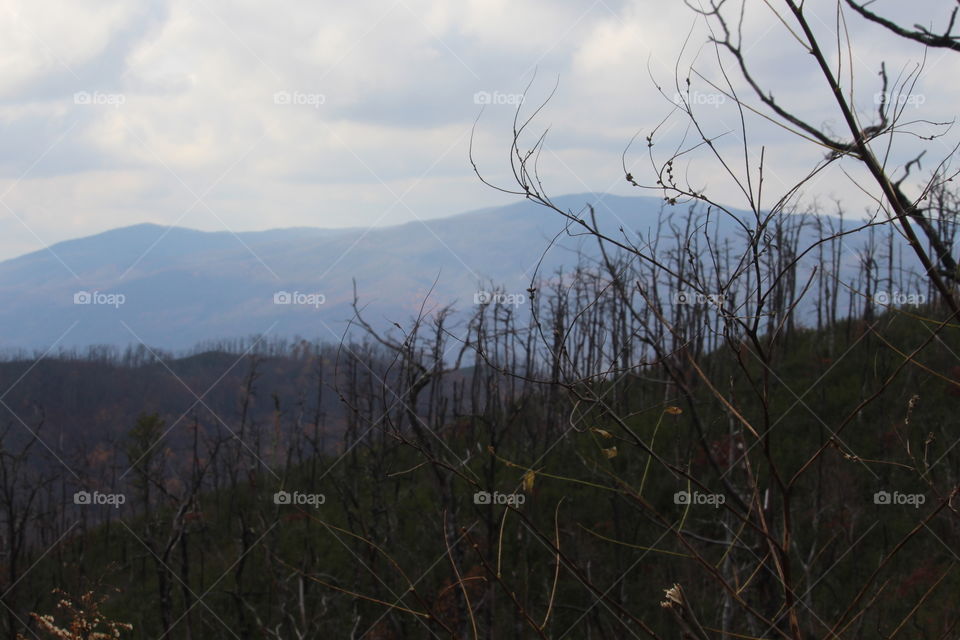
248,115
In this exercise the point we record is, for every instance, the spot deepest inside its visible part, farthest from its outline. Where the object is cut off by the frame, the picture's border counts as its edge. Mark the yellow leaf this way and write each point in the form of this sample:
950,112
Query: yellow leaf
602,432
611,452
674,411
528,478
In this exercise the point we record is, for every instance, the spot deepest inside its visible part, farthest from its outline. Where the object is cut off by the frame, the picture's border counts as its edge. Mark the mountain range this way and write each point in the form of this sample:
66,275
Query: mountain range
173,287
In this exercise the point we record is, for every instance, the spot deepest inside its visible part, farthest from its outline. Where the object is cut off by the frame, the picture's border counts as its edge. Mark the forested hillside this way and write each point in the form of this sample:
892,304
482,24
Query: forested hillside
423,479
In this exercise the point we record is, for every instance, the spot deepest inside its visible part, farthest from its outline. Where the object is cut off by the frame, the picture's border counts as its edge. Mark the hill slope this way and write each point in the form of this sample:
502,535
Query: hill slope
174,287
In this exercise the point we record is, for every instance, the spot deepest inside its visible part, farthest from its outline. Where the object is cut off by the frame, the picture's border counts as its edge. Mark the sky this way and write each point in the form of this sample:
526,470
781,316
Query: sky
246,115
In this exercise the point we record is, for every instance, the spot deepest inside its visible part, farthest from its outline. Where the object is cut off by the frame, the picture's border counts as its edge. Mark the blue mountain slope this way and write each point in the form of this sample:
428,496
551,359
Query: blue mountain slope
181,286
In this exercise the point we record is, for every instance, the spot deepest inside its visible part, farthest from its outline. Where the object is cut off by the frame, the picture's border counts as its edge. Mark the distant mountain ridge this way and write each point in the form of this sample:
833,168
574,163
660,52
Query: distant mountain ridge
175,287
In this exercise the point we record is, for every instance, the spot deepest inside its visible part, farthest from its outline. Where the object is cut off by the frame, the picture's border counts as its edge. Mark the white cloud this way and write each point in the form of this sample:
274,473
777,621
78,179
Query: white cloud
386,93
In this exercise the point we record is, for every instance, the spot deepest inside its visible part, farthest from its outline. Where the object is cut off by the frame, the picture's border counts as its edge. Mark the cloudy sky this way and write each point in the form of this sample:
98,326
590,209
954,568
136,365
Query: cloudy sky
248,115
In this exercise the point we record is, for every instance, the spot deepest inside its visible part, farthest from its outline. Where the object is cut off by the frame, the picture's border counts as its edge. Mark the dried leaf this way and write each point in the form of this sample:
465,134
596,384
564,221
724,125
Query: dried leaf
603,433
674,596
528,479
